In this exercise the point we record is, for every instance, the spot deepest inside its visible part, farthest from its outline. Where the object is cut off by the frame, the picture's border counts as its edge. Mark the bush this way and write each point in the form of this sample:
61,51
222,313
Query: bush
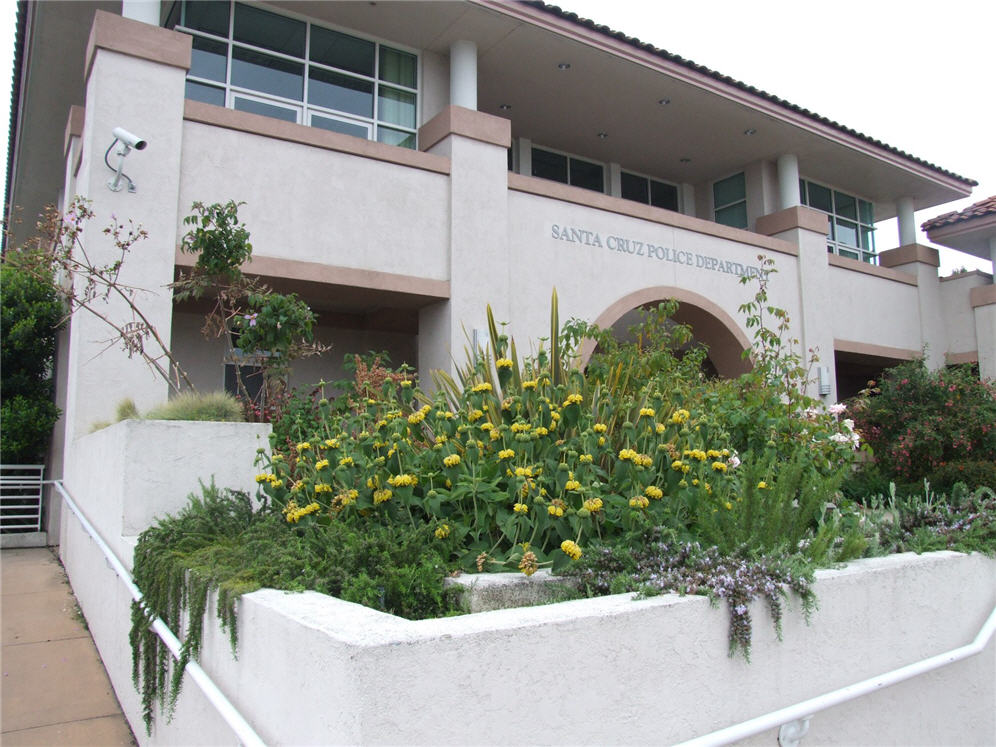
29,324
217,406
918,421
973,474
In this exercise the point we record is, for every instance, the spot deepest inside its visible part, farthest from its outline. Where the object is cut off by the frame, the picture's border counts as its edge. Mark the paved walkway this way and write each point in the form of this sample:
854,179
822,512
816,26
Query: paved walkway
53,689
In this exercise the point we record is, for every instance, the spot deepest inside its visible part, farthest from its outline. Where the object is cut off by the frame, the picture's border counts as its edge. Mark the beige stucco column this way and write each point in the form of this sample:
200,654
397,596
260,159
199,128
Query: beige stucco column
477,146
807,229
922,262
135,80
983,300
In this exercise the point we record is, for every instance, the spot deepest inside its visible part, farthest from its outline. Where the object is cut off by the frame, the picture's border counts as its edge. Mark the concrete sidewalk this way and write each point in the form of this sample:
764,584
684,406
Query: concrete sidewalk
53,689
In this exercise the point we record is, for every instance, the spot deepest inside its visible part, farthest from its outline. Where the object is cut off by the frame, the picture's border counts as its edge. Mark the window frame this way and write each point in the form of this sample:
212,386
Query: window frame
860,252
650,180
742,200
571,157
305,108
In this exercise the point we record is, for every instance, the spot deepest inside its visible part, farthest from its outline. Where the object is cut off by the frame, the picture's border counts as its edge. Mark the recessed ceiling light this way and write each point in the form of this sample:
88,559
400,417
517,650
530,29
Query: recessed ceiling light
685,160
750,131
602,135
504,107
664,101
564,66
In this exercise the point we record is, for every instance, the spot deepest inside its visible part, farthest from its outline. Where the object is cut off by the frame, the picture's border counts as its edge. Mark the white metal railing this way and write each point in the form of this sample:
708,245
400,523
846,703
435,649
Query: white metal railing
245,733
794,719
21,497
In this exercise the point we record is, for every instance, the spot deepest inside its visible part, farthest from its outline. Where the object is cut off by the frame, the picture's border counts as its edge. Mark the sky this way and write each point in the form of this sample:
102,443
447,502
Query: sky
915,74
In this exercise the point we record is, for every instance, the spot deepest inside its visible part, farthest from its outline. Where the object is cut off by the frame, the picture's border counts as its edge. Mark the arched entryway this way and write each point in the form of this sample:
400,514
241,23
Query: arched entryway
711,325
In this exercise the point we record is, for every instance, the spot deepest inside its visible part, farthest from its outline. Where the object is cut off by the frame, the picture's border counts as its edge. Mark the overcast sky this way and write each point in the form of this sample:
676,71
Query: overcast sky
915,74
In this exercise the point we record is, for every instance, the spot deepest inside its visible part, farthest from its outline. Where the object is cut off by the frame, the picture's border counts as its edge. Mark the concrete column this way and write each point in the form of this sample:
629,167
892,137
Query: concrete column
476,145
983,300
788,181
463,74
615,180
813,324
136,76
524,150
907,223
146,11
992,255
922,262
688,199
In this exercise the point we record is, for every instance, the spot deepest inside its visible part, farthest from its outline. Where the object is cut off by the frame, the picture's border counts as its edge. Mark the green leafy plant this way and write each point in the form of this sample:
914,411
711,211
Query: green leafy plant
918,422
31,315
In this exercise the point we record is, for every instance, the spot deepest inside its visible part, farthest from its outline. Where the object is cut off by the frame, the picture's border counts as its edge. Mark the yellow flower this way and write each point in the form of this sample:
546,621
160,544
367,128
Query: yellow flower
652,491
486,427
585,459
643,460
677,465
441,438
485,387
495,435
276,483
713,454
638,502
322,464
303,446
262,478
647,412
380,496
593,504
529,384
719,467
599,427
346,462
556,507
680,416
572,485
573,399
405,383
729,506
523,472
402,481
520,427
627,454
331,443
660,428
503,363
321,487
475,415
506,454
601,440
541,431
571,549
442,532
520,508
762,485
452,460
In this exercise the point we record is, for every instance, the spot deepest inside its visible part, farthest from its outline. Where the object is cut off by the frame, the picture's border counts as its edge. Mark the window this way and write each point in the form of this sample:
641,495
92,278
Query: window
729,201
254,60
252,382
649,191
851,220
568,170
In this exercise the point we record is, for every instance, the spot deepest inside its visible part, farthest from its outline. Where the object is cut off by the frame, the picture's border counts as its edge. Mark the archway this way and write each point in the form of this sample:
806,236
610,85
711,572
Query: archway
711,325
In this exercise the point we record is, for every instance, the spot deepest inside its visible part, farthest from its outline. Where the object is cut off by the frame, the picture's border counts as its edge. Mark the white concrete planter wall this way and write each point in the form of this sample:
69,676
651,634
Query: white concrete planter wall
312,669
130,473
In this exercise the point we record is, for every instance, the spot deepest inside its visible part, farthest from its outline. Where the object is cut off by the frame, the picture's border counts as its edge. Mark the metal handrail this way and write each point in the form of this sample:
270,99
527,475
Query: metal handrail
805,709
246,734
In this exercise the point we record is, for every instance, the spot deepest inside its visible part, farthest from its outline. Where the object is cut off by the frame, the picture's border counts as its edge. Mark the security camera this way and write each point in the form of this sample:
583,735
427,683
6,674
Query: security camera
132,141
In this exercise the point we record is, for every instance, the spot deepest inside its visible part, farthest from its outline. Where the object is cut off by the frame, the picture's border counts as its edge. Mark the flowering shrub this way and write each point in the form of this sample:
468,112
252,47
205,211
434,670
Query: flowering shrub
919,422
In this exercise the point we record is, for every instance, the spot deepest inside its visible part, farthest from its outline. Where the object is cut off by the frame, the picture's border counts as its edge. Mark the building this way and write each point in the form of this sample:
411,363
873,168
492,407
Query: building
404,163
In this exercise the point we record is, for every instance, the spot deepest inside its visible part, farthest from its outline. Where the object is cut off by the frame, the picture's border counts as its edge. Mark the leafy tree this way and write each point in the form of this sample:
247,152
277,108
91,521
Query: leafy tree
31,317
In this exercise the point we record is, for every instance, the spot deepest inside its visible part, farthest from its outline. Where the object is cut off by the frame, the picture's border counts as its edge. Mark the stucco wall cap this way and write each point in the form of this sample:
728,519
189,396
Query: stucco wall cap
983,295
136,39
908,254
456,120
74,126
794,217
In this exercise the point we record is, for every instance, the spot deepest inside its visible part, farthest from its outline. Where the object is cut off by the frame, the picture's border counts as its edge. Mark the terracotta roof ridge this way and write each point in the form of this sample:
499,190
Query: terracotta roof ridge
664,54
975,210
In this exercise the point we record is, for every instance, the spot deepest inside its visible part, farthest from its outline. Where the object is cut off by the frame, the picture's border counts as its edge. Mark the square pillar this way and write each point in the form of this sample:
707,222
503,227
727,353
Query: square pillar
922,262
